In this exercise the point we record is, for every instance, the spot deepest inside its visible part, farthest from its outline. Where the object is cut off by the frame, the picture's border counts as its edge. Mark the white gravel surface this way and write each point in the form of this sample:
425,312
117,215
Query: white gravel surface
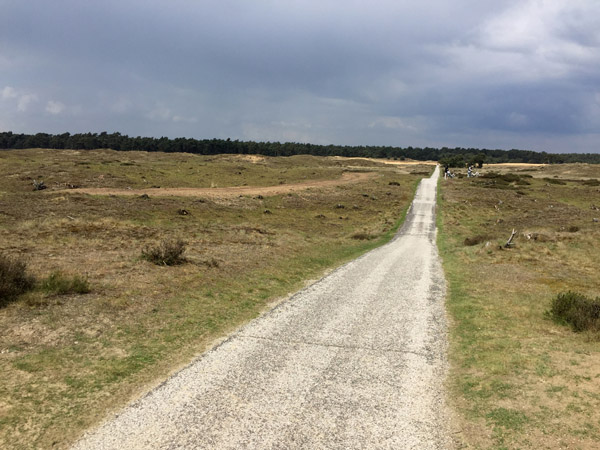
356,360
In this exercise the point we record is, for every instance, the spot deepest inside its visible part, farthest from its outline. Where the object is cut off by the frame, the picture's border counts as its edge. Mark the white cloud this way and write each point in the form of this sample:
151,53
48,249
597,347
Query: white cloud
549,38
25,100
286,124
54,107
523,28
393,123
518,120
163,113
122,105
8,92
160,112
185,119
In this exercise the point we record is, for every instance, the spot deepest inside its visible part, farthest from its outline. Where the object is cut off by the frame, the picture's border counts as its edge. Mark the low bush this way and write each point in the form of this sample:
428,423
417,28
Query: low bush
522,182
57,283
167,253
490,175
555,181
504,181
362,236
470,241
591,182
577,310
14,279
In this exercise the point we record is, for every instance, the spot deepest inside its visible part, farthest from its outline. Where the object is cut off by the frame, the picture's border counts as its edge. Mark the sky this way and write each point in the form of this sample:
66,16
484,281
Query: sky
500,74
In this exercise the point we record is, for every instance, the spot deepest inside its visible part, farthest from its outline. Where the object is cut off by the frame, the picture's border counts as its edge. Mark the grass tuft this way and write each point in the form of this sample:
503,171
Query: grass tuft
508,418
57,283
14,279
167,253
362,236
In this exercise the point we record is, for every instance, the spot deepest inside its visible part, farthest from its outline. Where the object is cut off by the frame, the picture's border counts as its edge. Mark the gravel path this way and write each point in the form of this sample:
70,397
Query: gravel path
356,360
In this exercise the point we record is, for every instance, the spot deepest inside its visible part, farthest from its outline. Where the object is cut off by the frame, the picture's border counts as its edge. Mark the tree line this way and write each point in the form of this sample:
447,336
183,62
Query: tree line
453,157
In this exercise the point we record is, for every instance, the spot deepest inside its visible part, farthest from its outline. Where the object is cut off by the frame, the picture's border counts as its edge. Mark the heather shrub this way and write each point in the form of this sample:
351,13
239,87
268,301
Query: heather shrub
14,279
577,310
167,253
474,240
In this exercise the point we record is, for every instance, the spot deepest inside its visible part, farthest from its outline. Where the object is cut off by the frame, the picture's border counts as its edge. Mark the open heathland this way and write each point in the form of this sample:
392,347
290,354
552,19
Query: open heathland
131,286
520,379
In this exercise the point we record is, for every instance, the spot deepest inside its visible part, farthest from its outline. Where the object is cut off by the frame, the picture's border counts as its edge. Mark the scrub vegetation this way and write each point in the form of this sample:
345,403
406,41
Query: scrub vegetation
104,322
14,279
525,346
577,310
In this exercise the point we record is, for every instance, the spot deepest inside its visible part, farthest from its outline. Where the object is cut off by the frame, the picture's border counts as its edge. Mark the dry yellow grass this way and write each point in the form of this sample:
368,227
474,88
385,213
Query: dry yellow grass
518,379
68,360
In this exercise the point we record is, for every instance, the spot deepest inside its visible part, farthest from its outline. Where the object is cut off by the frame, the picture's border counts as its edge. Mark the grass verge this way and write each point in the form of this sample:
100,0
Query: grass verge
519,379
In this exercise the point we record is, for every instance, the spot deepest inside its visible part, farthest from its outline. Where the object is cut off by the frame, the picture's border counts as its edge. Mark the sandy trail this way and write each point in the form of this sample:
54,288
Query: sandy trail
355,361
407,163
347,178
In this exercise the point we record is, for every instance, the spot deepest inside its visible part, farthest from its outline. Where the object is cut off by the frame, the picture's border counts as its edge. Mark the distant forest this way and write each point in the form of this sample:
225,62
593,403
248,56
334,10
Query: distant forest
454,157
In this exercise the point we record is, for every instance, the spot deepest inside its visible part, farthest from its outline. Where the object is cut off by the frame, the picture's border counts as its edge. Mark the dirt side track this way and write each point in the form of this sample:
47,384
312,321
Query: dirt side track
347,178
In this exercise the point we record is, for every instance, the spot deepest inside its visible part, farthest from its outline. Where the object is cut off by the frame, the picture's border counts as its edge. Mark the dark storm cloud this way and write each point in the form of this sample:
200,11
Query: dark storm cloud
507,74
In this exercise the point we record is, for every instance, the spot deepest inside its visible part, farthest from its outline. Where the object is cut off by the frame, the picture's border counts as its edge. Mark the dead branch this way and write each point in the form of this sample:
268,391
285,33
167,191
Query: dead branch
38,186
509,242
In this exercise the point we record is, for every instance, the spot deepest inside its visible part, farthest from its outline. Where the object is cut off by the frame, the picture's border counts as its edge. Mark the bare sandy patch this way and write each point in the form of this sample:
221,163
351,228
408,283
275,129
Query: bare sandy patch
516,165
252,158
406,162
